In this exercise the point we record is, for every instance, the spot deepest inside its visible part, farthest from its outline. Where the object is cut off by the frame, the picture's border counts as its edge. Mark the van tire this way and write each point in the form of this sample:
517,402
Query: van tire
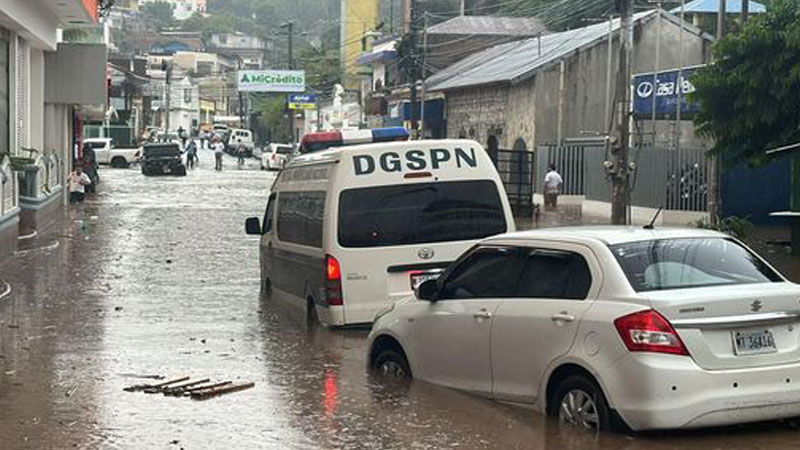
311,313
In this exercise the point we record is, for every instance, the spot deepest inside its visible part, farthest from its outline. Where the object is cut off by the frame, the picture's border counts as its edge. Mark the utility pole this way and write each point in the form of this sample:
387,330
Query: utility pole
290,31
745,12
463,7
619,171
714,169
424,58
168,93
413,66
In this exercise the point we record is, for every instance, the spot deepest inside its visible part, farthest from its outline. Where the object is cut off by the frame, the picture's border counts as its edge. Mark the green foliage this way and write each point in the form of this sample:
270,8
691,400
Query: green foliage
211,24
738,227
321,66
750,98
272,116
158,15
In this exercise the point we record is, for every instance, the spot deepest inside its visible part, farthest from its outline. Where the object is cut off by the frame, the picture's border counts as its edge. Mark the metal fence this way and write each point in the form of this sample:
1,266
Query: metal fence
517,170
664,177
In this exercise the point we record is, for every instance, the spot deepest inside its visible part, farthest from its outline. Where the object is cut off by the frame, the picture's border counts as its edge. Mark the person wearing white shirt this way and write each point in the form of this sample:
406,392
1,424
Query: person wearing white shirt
219,149
552,187
78,181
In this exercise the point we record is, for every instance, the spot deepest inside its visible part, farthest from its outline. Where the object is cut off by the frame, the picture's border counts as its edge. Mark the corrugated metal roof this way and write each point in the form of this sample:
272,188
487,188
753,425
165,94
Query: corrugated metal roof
491,25
712,7
516,61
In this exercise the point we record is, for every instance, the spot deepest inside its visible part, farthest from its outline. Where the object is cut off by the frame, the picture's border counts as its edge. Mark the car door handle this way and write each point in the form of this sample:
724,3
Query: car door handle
563,316
482,314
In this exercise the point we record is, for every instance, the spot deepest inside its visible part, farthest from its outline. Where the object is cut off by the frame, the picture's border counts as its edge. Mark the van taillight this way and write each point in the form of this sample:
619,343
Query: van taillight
649,331
333,281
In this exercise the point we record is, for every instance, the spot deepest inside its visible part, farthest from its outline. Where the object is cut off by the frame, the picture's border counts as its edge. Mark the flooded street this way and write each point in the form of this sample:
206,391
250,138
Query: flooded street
155,276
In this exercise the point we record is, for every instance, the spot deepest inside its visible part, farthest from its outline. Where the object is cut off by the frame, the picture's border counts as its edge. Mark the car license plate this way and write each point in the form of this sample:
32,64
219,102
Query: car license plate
753,342
418,278
165,169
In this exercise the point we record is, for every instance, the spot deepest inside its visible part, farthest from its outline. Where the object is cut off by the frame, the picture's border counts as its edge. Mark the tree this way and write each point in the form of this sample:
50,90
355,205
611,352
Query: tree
750,98
158,14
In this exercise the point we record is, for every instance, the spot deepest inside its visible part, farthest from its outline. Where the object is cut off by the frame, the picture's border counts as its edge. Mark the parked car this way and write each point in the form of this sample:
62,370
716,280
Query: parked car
606,327
275,156
107,154
163,158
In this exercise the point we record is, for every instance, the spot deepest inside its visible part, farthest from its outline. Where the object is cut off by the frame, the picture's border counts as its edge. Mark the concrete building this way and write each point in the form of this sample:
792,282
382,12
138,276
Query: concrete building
43,85
200,64
182,9
247,51
358,17
544,90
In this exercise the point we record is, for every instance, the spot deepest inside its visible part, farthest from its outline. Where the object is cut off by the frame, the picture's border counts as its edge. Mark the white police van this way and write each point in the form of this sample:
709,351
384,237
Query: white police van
349,229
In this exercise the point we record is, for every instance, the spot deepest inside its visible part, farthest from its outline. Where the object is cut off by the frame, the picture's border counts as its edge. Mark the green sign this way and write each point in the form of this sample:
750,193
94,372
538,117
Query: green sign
271,80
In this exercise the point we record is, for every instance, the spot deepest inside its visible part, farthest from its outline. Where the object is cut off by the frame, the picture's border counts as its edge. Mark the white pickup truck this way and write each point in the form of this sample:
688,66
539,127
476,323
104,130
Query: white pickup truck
106,153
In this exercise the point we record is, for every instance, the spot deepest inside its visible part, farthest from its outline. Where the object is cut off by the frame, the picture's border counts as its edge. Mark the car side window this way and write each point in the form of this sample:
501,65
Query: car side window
488,272
554,274
269,214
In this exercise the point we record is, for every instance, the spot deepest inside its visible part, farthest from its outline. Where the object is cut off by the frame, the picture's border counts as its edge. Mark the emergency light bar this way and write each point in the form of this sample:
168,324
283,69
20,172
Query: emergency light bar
313,142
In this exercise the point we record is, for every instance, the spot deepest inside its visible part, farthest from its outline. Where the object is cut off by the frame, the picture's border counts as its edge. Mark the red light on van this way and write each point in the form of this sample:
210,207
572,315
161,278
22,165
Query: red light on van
418,175
333,270
333,281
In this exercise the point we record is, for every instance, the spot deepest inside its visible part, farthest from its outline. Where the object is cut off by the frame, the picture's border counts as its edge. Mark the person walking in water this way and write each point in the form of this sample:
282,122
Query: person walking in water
219,149
191,154
552,187
78,180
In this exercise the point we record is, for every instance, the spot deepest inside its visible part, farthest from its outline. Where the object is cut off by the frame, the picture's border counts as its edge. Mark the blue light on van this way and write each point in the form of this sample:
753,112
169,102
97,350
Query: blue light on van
389,134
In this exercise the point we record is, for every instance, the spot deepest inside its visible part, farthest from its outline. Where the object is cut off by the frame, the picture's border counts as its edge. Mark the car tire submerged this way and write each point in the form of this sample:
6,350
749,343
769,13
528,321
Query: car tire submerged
390,363
579,402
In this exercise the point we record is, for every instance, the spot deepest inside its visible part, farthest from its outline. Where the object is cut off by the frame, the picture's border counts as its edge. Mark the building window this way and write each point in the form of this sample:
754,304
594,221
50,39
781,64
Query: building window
187,96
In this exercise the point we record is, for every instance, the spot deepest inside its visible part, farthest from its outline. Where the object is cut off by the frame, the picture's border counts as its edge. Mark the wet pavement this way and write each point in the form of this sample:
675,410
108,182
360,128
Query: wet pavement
155,276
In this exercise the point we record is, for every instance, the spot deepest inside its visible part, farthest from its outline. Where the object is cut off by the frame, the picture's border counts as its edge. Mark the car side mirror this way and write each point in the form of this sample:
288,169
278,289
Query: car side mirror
252,226
427,290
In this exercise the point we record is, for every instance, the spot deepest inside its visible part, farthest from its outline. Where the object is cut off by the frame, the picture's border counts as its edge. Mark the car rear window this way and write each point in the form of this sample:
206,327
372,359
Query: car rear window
688,263
287,150
161,150
420,213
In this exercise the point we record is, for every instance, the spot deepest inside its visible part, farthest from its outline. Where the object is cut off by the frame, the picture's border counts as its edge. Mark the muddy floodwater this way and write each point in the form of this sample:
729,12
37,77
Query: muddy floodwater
155,276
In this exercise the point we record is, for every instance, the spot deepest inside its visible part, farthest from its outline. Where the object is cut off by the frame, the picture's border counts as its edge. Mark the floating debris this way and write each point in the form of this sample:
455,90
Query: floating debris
184,387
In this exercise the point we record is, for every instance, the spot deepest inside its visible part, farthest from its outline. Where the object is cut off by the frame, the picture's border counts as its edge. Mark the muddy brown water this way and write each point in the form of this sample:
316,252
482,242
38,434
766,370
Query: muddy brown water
155,276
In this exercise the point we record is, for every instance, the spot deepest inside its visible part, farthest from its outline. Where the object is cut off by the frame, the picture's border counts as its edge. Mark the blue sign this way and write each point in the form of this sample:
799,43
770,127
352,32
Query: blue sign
302,98
663,90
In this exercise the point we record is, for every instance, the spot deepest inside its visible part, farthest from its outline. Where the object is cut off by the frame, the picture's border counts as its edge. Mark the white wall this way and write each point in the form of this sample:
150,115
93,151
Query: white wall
36,118
32,20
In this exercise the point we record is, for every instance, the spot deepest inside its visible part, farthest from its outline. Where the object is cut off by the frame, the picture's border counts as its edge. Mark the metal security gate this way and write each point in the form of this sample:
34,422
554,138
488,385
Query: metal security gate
517,169
669,178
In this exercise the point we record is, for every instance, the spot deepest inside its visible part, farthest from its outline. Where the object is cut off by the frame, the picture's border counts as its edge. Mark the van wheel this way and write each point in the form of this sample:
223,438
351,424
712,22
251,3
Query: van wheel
311,313
390,363
581,404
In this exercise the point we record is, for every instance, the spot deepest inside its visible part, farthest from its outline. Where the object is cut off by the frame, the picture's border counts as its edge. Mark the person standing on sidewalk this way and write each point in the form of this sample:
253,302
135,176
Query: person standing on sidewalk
552,187
78,180
219,149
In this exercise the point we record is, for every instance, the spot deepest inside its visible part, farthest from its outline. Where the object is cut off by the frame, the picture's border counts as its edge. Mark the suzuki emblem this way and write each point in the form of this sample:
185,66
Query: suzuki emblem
755,306
425,253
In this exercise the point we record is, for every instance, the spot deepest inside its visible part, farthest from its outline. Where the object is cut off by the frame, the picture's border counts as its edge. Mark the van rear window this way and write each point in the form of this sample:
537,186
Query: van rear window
419,213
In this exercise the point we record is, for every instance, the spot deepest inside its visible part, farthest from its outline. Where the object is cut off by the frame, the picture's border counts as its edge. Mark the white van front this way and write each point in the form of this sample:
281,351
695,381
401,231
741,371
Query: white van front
402,212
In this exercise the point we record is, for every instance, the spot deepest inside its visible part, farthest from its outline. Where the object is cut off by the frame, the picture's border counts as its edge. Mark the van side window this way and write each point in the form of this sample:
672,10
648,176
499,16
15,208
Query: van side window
300,217
269,214
489,272
554,274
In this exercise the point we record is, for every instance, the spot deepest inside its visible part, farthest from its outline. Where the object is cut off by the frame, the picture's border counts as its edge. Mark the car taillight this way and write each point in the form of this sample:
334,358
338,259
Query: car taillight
333,281
649,331
272,157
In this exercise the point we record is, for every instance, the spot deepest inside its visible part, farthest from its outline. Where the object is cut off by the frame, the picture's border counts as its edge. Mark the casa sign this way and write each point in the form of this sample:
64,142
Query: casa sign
271,80
664,92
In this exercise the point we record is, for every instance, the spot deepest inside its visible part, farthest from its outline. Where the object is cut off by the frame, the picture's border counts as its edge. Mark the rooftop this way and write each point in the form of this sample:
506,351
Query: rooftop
517,61
489,25
712,7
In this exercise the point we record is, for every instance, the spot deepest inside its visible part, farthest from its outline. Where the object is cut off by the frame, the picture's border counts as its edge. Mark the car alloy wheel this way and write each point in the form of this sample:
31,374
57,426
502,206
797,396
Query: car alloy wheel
578,408
391,364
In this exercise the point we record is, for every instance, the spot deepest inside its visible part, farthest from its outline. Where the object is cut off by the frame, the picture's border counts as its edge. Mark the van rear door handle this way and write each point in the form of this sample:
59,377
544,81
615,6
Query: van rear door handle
563,316
482,313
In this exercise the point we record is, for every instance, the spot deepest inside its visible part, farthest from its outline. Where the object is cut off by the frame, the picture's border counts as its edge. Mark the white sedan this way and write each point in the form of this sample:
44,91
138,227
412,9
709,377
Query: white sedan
606,327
